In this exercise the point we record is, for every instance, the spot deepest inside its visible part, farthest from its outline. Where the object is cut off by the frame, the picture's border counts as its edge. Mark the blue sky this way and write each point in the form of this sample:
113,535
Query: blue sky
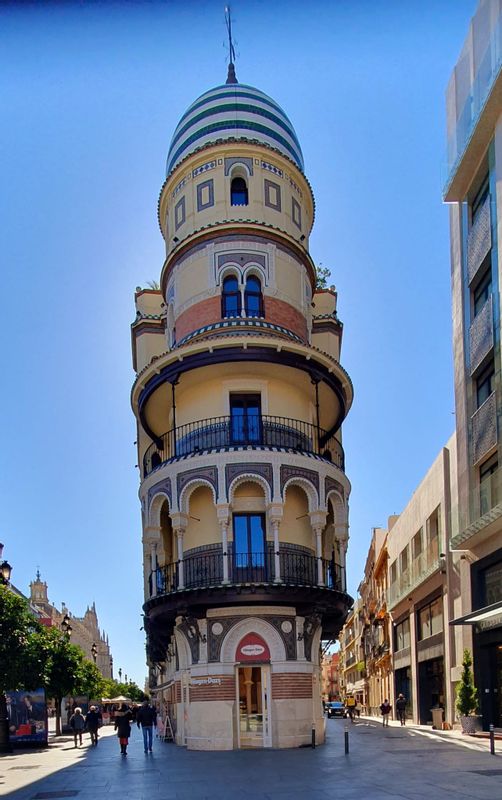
91,93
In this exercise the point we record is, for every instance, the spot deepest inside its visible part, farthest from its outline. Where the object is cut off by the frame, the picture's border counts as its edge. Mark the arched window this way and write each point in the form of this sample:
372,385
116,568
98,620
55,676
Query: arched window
238,192
231,297
253,298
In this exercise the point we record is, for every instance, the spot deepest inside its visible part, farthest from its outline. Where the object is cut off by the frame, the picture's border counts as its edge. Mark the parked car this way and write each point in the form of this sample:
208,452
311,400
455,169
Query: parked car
335,709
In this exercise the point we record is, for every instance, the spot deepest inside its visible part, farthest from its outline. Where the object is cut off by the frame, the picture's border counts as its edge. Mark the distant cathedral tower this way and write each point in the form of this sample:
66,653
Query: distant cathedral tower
239,399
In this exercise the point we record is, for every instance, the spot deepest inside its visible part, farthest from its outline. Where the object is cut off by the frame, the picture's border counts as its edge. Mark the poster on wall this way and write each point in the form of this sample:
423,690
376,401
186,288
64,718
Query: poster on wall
27,713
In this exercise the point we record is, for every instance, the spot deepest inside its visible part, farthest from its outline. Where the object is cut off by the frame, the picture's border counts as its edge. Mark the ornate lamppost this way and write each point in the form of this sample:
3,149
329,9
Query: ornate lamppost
5,746
94,651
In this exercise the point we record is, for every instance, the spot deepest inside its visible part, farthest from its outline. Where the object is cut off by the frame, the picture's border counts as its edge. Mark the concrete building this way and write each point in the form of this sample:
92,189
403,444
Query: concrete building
352,664
239,399
474,190
418,597
330,671
85,631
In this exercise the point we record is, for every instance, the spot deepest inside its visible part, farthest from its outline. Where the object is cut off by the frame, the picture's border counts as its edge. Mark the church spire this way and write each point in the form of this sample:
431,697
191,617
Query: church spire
231,77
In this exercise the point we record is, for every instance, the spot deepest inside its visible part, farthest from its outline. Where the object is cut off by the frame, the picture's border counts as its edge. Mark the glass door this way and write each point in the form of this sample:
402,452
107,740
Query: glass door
245,419
253,707
249,549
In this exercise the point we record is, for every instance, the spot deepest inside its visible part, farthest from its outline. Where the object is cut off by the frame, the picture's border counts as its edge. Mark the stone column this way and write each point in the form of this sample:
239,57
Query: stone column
153,567
222,512
318,551
179,537
342,537
277,559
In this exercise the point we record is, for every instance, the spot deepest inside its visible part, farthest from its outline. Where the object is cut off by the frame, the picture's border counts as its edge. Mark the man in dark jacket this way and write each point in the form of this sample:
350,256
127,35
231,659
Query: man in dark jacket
146,717
401,709
92,722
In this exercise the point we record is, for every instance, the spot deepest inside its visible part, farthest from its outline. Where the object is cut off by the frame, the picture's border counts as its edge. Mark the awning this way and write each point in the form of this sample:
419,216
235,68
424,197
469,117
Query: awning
485,618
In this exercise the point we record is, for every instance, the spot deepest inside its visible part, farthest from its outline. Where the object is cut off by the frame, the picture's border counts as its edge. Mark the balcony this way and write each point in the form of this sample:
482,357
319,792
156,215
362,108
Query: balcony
222,433
484,509
479,241
481,337
423,565
484,428
208,570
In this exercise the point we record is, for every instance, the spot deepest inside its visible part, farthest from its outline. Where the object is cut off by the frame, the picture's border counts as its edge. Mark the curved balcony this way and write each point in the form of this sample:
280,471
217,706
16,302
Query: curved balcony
207,570
220,433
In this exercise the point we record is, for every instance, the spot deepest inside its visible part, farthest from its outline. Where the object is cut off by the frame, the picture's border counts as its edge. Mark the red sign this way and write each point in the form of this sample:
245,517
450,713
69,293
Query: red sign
252,649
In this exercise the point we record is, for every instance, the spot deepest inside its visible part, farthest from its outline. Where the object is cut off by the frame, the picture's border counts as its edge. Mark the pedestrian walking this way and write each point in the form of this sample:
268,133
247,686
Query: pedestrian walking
77,724
401,709
92,721
123,719
146,717
385,708
350,704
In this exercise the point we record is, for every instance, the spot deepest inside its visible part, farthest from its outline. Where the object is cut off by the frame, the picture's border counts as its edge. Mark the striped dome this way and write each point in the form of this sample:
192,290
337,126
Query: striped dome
233,111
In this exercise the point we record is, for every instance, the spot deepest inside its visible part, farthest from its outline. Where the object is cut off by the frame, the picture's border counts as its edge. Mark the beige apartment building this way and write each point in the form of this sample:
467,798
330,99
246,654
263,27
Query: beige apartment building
474,190
239,399
352,663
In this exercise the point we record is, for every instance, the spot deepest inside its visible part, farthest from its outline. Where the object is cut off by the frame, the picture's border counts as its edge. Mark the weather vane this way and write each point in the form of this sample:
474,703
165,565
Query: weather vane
231,49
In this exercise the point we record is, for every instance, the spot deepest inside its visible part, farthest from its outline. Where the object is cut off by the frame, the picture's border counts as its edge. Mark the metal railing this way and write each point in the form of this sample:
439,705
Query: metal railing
207,570
217,433
423,565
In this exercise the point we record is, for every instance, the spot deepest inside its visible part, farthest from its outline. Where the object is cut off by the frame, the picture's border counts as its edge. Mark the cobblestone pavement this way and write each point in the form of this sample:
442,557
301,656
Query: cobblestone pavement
383,764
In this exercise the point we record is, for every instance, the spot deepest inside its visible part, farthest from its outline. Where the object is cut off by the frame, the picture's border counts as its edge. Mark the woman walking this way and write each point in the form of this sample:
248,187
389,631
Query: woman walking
123,719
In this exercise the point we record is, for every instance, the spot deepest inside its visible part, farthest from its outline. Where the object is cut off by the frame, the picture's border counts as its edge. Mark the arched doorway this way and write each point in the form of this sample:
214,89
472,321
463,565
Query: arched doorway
253,692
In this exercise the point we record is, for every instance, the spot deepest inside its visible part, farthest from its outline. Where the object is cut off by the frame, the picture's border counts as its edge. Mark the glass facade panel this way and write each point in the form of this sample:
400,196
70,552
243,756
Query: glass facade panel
430,619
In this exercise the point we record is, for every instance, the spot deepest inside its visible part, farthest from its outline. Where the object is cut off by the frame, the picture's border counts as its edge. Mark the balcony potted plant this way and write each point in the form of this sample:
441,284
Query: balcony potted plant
467,698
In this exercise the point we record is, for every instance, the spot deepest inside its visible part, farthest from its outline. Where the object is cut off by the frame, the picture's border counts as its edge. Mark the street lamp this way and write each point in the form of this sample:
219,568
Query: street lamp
94,651
66,626
120,674
5,746
111,667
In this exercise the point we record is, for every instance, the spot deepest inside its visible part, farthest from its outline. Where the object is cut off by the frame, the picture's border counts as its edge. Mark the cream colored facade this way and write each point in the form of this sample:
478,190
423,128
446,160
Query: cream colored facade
85,630
239,398
474,190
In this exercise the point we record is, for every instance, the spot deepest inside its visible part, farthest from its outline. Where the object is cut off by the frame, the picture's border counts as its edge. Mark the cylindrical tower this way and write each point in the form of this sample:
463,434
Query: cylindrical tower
239,399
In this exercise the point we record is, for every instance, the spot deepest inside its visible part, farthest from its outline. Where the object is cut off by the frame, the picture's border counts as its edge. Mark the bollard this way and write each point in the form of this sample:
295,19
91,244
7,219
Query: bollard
313,736
492,740
346,737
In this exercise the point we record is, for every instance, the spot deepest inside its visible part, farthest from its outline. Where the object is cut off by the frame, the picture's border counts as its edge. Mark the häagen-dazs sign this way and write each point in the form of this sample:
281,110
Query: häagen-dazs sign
205,681
252,648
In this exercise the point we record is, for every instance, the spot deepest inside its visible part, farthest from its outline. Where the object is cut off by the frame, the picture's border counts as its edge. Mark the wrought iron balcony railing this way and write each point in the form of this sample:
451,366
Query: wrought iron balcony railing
218,433
209,570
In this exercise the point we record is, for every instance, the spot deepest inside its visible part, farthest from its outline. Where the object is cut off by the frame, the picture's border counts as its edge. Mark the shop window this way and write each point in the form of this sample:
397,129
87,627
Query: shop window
430,619
238,192
231,298
402,636
492,584
253,300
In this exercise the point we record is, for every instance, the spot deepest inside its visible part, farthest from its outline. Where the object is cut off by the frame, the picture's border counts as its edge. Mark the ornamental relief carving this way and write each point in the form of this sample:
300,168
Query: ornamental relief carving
218,629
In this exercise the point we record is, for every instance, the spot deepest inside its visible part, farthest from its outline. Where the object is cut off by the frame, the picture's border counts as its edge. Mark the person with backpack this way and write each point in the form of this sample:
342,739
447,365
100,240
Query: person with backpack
77,724
385,708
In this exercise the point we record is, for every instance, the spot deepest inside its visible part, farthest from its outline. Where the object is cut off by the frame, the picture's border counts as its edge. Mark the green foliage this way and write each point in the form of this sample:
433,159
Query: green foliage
63,663
323,274
21,663
89,681
114,689
154,285
467,694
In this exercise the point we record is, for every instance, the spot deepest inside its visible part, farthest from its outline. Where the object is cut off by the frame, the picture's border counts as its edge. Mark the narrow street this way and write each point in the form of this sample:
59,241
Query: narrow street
383,764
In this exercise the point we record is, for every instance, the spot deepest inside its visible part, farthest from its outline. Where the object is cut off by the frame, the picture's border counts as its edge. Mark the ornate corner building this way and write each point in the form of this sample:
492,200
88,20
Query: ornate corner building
239,399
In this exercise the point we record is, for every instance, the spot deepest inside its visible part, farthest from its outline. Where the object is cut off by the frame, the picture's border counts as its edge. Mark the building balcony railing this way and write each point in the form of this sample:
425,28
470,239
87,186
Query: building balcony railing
209,570
483,506
484,428
219,433
423,565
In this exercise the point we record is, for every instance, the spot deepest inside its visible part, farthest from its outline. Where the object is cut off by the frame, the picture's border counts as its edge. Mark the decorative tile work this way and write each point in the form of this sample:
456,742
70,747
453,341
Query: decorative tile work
190,629
209,474
310,626
288,472
233,471
205,195
241,258
179,213
330,484
225,624
295,187
239,323
204,168
183,182
296,213
272,195
271,168
479,241
481,335
229,163
484,428
163,486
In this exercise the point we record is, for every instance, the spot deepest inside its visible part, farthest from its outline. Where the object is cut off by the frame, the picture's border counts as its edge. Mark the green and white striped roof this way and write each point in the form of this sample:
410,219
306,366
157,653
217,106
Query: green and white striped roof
233,111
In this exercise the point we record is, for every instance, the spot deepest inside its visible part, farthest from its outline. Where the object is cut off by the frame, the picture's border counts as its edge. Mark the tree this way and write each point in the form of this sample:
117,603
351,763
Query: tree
63,665
154,285
89,681
322,276
467,694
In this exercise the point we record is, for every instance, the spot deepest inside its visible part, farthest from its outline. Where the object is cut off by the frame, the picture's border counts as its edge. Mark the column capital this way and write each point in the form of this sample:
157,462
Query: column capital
223,513
179,521
318,519
275,513
151,534
341,531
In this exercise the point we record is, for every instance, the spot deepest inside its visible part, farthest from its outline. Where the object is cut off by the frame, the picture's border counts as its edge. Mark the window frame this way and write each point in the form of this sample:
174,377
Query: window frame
230,294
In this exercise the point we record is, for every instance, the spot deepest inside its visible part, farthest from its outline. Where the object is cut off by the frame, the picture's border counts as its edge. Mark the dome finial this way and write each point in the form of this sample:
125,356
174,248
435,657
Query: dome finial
231,77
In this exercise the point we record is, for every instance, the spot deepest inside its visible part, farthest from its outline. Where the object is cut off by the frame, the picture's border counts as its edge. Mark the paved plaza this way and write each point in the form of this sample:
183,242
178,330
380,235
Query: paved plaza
383,764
